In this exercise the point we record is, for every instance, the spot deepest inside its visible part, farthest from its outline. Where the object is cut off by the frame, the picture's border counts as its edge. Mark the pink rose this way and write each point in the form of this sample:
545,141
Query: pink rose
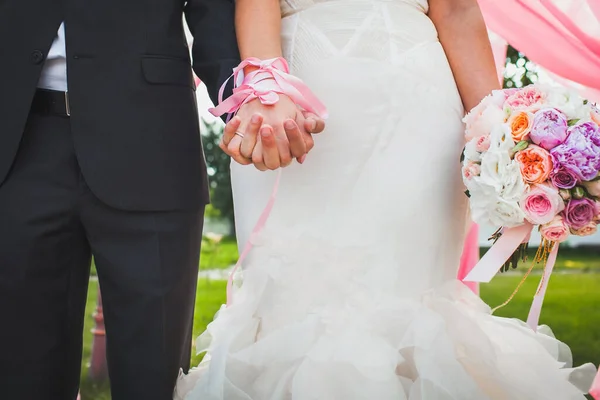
489,112
587,230
483,143
541,203
580,212
528,98
471,170
555,230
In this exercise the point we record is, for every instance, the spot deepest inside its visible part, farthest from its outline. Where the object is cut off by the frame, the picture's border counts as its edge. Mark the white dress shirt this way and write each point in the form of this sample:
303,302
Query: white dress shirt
54,73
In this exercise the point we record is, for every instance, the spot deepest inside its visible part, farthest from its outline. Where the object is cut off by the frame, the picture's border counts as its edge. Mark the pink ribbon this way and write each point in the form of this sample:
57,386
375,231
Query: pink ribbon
266,83
533,318
260,224
497,255
500,252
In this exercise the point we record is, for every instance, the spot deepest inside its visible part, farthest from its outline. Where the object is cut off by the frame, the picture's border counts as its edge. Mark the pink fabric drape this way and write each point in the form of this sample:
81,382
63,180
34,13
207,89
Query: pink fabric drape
563,36
470,256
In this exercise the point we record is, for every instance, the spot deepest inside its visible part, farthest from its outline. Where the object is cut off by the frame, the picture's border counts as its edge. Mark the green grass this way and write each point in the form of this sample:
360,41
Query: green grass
581,259
219,256
570,309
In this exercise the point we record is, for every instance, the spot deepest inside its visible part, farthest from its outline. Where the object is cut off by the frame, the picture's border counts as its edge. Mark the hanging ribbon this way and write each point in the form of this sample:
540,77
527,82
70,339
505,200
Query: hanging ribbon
260,224
497,255
533,318
500,252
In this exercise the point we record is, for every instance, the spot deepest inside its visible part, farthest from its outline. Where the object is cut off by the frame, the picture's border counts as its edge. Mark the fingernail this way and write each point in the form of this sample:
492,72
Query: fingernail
302,159
255,119
265,132
313,124
289,124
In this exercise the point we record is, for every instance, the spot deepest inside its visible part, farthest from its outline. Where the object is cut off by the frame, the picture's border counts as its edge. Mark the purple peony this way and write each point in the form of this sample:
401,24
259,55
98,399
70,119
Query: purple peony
563,177
580,153
549,128
579,212
584,137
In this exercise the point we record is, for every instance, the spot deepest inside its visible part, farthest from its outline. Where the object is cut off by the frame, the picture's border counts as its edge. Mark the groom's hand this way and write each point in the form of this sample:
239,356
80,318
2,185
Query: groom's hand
270,136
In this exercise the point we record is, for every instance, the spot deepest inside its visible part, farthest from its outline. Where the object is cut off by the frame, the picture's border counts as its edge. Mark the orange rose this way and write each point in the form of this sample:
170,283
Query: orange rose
520,125
535,164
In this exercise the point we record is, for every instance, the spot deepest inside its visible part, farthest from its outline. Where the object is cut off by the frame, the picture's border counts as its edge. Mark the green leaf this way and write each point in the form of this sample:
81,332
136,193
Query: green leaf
467,193
522,145
572,122
578,192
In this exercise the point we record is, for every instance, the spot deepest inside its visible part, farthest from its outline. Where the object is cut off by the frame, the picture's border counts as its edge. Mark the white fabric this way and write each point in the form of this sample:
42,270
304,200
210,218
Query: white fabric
350,292
54,73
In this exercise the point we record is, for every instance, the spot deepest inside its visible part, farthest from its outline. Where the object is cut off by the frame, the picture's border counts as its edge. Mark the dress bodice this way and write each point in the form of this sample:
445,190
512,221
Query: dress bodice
289,7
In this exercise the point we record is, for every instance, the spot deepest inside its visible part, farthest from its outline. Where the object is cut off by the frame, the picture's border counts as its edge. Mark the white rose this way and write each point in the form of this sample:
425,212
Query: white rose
496,191
513,185
507,214
568,102
494,164
501,138
489,112
471,153
497,213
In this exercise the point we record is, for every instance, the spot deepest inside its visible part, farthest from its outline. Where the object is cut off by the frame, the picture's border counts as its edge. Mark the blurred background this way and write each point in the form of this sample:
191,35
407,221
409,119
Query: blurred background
571,306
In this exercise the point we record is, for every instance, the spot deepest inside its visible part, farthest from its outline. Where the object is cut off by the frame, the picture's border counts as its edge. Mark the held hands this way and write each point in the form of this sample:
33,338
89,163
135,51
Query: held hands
270,136
270,128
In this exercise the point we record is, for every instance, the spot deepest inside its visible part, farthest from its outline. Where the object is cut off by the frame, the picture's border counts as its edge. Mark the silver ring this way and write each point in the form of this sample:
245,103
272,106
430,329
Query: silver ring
240,134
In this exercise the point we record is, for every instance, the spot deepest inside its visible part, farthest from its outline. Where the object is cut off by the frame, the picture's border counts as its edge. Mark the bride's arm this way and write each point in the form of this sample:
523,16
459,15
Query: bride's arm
258,27
272,134
463,34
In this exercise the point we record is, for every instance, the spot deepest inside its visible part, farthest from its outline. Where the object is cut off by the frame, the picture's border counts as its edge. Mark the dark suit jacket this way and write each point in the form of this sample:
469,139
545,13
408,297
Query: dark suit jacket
133,107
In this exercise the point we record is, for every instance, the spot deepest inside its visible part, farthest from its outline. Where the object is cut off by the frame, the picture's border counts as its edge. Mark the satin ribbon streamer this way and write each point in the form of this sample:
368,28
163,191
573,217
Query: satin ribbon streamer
500,252
262,221
266,83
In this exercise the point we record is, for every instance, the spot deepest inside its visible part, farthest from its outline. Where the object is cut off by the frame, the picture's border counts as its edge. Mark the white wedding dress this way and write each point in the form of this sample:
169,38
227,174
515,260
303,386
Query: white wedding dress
350,291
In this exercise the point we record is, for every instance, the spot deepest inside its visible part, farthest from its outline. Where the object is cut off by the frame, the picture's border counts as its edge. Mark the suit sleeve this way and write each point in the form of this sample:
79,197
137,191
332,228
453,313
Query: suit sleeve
214,50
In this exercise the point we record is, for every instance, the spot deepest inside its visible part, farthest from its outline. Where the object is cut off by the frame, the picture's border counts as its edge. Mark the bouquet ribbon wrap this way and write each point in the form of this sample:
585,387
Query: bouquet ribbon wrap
500,252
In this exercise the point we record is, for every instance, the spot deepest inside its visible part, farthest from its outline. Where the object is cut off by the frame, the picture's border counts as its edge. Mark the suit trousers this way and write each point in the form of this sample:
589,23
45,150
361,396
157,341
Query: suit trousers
147,261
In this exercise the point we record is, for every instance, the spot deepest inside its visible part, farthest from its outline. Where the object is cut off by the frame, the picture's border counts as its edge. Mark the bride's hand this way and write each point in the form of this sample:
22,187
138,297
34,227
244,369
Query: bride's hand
270,137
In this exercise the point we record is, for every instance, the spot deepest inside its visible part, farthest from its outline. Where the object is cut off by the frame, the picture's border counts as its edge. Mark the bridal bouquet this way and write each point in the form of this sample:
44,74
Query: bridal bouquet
533,155
532,160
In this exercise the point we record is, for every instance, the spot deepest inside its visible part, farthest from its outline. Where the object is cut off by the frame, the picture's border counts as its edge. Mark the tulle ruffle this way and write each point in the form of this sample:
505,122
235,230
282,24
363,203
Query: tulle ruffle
303,332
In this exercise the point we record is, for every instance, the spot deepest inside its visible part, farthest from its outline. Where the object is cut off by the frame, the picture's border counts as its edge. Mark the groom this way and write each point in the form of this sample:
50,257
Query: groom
100,155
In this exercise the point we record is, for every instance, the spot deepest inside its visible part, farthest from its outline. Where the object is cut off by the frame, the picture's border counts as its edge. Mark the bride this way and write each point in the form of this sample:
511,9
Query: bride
350,291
